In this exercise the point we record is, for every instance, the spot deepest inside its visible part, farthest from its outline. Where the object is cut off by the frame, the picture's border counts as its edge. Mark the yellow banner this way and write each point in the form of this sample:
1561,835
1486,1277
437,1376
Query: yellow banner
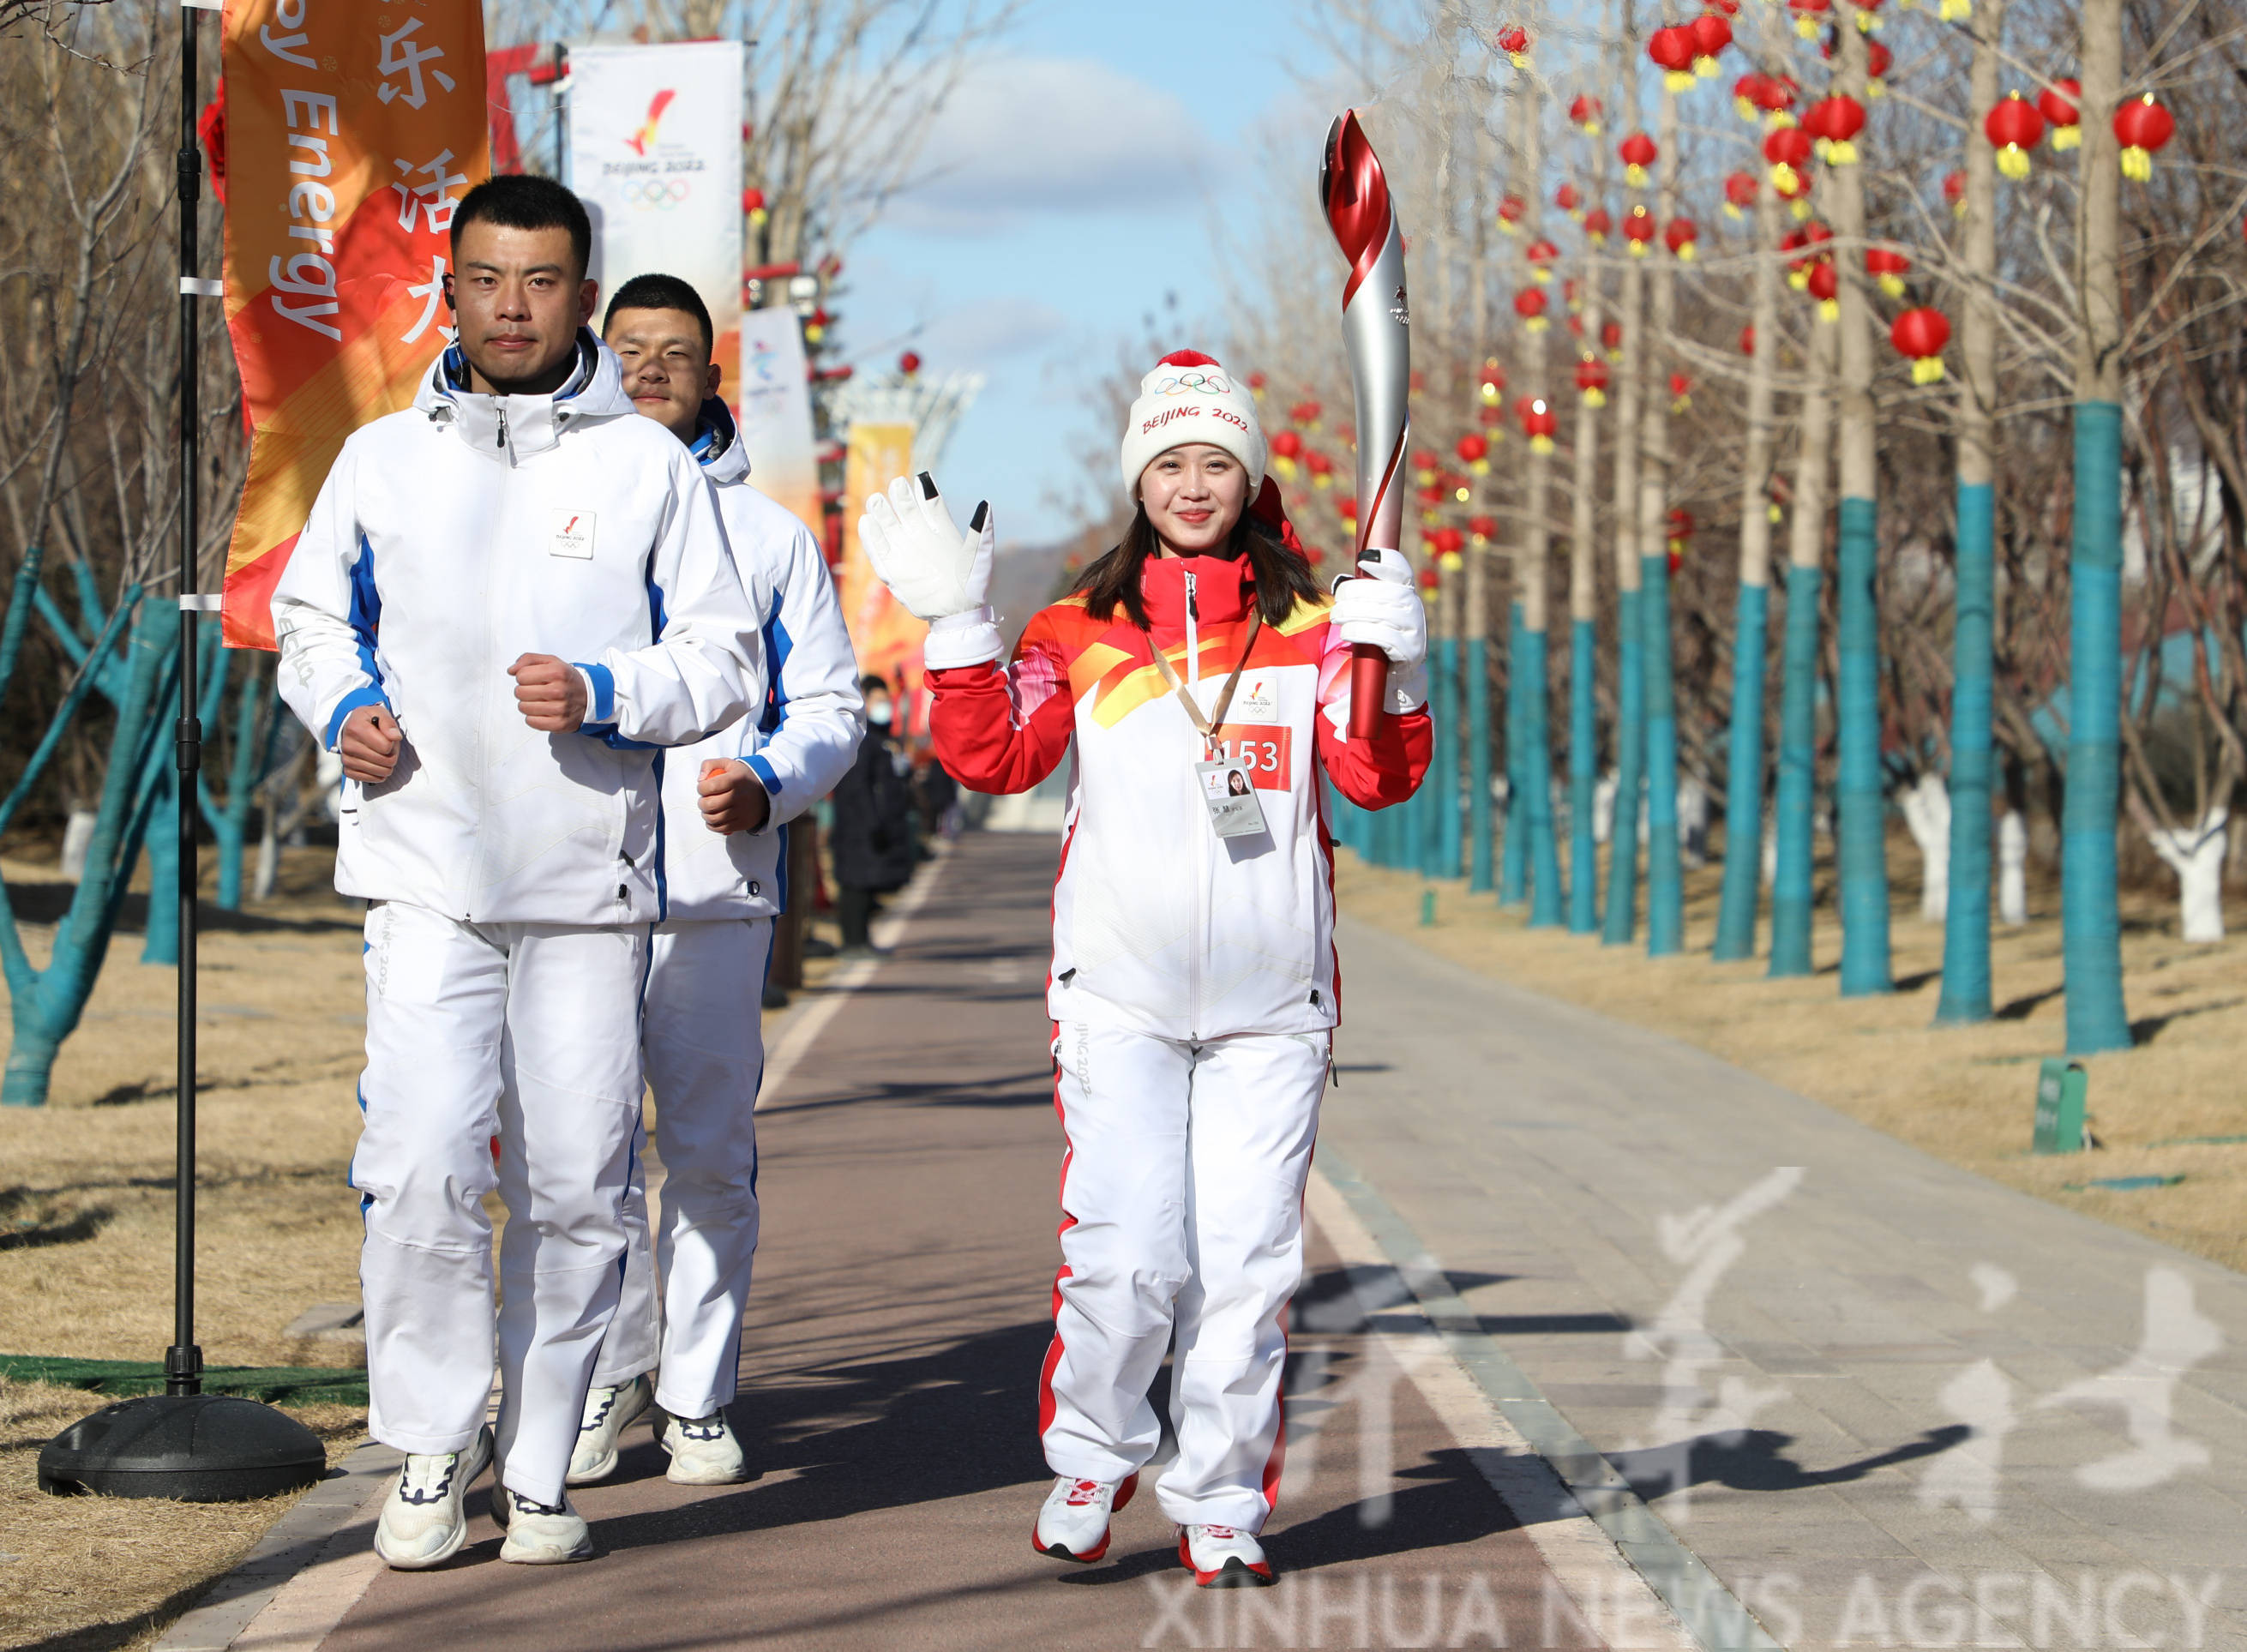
886,636
351,132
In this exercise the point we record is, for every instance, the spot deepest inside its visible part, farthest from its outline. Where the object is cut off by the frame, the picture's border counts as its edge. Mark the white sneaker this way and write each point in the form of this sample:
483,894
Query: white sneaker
1223,1557
703,1451
422,1523
608,1412
1072,1524
539,1534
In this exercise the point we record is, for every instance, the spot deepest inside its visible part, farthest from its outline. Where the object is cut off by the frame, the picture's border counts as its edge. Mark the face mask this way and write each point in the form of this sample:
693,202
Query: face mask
878,713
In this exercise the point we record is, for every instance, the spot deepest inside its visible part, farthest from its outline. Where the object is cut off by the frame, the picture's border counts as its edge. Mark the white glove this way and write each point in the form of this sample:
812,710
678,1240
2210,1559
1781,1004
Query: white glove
1380,607
928,564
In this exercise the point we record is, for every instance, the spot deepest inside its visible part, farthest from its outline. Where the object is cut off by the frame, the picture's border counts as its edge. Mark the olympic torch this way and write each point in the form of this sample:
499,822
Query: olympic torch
1376,328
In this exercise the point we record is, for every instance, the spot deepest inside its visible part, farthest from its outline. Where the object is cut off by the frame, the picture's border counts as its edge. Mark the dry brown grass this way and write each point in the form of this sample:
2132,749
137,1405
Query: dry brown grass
1964,1094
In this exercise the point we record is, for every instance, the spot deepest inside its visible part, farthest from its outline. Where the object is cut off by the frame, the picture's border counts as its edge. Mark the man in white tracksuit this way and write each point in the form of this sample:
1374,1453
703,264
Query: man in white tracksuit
519,522
725,805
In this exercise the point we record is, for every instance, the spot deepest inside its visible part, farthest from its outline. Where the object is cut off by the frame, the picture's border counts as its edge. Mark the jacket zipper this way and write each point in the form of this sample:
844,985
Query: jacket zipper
500,441
1201,835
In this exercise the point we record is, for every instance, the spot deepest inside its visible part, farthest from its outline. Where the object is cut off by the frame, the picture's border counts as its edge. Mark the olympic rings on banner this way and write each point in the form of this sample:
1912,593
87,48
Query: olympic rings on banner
659,192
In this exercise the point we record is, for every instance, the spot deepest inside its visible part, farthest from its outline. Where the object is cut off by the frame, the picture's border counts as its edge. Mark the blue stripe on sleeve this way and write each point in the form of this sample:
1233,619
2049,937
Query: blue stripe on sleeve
763,771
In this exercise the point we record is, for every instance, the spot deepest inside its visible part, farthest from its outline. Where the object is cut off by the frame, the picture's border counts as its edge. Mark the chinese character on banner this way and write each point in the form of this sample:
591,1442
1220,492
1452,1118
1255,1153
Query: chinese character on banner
401,55
335,260
432,200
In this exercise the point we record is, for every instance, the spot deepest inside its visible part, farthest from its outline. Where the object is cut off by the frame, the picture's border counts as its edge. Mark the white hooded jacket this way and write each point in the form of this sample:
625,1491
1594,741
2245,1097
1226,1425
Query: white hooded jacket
453,537
804,736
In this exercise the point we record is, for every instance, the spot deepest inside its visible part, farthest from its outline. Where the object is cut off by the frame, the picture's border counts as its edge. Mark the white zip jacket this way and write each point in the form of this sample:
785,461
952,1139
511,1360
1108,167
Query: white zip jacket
453,537
802,740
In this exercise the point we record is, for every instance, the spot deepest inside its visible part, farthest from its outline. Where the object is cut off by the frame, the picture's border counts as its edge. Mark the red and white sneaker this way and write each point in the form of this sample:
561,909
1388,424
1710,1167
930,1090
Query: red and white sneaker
1072,1524
1223,1557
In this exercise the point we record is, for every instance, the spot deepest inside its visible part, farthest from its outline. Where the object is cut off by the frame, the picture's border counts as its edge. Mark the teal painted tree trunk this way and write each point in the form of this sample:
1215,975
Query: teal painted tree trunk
2091,925
1513,871
1481,867
1861,802
1583,782
1965,996
1544,902
1795,796
1736,909
1445,835
1665,876
1630,779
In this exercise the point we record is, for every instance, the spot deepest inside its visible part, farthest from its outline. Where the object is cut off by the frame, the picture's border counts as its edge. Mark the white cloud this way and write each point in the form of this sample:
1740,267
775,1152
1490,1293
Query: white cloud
1057,134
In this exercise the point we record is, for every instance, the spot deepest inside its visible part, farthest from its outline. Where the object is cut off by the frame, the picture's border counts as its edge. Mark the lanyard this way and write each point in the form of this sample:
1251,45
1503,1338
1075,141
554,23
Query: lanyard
1209,726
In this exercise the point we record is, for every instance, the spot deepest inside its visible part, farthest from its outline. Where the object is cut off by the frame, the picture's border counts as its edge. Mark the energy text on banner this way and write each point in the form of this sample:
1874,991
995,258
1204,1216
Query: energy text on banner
883,632
350,137
775,394
655,153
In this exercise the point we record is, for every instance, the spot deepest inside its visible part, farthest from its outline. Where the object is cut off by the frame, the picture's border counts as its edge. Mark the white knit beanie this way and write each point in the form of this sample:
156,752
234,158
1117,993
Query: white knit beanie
1189,397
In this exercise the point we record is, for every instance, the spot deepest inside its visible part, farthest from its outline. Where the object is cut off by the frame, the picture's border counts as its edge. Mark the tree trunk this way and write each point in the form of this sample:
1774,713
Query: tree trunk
1532,568
1795,798
2091,925
1665,892
2196,857
1630,642
1736,911
1861,800
2014,869
1927,812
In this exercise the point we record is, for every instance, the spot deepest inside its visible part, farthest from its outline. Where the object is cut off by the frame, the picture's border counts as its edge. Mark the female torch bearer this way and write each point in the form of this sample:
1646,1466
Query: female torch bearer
1376,327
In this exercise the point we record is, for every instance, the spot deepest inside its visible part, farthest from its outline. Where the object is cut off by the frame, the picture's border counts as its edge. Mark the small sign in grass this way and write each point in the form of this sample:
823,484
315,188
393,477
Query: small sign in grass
2060,1085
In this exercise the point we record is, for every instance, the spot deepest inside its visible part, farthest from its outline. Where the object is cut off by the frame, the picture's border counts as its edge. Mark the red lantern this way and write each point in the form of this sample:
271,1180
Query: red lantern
1824,282
2013,128
1597,225
1747,339
1920,335
1672,49
1835,121
2144,128
1513,40
1788,151
1510,209
1320,467
1425,466
1878,61
1954,191
1795,189
1747,92
1431,580
1681,393
2061,104
1739,194
1529,304
1305,412
752,207
1493,379
1729,8
1592,380
1679,238
1680,530
1540,253
1638,154
1475,454
1712,34
1611,339
1256,383
908,363
1807,14
1585,114
1776,94
1538,422
1638,228
1286,447
1346,506
1569,201
1484,529
1887,268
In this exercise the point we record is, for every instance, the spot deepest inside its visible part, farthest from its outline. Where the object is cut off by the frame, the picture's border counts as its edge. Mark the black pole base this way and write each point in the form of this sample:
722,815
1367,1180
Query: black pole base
198,1448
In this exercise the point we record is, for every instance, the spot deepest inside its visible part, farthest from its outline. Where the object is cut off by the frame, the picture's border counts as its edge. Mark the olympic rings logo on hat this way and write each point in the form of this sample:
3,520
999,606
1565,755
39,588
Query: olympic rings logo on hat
659,193
1192,384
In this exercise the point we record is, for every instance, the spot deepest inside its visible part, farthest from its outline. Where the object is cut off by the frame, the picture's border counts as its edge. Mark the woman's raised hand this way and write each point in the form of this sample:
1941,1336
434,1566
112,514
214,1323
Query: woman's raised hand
929,565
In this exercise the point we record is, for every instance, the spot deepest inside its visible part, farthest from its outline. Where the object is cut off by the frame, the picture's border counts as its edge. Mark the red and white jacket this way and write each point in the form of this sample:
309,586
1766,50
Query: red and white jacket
1160,925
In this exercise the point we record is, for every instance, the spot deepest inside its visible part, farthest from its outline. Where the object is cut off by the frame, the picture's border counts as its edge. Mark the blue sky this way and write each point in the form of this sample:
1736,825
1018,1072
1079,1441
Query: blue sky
1084,171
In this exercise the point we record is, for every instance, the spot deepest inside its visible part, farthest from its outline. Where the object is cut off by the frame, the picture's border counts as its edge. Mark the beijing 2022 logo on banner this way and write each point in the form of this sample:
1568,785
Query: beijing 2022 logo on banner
654,175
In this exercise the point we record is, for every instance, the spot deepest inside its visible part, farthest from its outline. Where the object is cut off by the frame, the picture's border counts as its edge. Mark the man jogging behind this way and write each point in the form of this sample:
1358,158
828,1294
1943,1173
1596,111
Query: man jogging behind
508,599
725,805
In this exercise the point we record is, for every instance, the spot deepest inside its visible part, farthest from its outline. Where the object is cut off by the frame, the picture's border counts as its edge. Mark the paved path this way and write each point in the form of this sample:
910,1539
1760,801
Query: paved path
1888,1401
891,1354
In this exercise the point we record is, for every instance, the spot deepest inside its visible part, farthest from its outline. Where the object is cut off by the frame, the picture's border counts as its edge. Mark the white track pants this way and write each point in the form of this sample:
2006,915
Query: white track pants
530,1031
703,1041
1182,1216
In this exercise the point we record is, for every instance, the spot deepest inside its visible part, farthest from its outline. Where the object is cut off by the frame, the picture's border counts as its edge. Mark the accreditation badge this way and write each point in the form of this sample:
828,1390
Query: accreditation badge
1225,789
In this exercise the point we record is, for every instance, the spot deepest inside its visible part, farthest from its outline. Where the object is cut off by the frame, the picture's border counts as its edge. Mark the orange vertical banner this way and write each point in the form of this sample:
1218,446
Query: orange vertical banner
352,131
884,633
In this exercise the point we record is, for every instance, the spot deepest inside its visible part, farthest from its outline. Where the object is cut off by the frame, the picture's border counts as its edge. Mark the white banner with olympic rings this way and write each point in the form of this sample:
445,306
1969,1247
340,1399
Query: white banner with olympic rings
655,153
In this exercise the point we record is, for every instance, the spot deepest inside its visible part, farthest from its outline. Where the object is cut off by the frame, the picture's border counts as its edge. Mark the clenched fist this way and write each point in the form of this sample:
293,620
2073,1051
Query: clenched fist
732,797
549,692
369,743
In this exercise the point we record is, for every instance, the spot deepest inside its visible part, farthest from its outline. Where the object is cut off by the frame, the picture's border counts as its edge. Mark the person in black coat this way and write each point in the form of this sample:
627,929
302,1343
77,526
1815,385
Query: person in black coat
873,838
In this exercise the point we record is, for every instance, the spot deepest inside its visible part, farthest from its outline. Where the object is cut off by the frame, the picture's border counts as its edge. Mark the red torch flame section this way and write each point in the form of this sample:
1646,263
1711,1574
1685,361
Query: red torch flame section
1357,197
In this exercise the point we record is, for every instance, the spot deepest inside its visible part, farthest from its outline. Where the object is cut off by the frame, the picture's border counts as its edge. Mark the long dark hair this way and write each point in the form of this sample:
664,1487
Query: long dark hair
1283,578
